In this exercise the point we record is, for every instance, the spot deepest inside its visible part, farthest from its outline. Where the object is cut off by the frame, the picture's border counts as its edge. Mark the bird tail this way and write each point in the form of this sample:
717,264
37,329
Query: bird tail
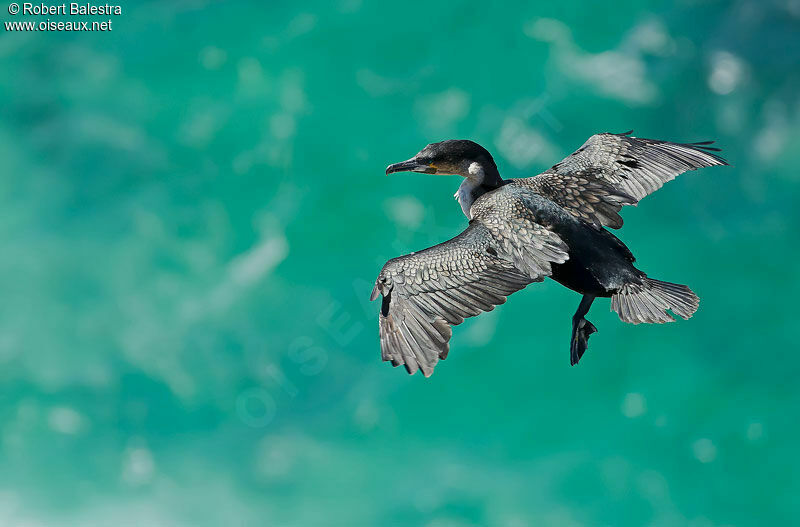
649,301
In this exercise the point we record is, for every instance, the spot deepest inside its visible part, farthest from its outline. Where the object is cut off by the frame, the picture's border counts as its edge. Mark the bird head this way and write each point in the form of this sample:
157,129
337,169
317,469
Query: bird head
453,157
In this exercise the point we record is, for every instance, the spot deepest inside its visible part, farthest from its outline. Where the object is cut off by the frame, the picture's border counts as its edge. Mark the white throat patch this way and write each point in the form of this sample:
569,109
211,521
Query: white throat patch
476,172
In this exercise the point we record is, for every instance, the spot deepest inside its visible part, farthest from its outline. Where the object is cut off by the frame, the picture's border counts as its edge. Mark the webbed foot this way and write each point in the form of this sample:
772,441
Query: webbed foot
581,330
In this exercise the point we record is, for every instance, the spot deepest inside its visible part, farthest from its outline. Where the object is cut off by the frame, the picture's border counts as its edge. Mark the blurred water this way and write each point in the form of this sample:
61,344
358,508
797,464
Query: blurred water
194,208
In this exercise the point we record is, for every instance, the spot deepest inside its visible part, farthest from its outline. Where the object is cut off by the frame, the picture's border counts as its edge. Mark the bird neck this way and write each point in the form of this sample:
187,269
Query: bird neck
478,180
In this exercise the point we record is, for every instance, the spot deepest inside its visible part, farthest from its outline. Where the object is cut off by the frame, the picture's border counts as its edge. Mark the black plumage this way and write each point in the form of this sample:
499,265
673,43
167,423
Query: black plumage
523,230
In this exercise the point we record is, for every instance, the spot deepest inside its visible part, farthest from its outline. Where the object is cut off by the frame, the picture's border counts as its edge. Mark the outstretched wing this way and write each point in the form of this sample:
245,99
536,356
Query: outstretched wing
612,170
427,292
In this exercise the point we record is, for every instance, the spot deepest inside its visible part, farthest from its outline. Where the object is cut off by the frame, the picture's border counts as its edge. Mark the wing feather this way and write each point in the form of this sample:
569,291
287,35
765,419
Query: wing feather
427,292
613,170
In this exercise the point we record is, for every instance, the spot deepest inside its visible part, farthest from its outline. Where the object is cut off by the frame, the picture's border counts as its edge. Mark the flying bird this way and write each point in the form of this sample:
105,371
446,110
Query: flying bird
523,230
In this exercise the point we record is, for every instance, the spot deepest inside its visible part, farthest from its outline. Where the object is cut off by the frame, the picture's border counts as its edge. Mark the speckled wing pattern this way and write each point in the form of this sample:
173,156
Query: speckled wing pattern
612,170
427,292
511,221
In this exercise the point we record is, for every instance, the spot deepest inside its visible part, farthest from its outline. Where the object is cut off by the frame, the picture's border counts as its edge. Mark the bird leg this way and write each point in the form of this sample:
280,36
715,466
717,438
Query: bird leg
581,330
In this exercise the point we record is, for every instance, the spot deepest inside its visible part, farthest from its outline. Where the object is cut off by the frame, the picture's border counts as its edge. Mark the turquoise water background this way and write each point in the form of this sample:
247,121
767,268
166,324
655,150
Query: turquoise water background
194,210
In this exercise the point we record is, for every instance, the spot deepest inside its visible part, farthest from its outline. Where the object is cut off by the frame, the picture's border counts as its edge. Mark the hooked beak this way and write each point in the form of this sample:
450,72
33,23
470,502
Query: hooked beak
410,166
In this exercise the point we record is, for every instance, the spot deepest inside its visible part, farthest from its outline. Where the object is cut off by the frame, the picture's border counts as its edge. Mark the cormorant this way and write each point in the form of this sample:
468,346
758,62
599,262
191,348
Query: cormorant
523,230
